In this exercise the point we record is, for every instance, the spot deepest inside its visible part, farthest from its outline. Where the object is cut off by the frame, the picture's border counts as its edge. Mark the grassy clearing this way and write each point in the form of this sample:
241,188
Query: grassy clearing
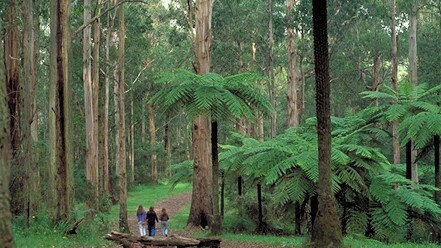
43,234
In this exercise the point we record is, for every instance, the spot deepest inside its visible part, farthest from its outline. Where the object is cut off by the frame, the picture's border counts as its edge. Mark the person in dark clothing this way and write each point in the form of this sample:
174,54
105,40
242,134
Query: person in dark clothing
152,218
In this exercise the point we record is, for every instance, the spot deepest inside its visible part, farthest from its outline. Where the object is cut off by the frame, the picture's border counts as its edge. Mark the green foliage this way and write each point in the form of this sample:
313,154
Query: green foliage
211,94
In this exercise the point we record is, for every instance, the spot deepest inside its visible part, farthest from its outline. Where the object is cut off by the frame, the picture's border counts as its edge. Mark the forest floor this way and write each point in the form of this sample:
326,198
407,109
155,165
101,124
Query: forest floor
174,205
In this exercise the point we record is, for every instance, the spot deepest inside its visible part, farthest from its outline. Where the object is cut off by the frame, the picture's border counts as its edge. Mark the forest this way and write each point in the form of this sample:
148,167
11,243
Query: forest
259,123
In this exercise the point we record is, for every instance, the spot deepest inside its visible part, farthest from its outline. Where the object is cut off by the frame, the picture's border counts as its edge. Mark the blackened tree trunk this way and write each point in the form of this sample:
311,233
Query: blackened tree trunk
261,228
6,237
217,223
11,64
60,150
326,231
409,160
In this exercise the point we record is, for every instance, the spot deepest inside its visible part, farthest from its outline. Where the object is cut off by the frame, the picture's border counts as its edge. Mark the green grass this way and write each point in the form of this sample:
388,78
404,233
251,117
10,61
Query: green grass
179,222
90,232
148,196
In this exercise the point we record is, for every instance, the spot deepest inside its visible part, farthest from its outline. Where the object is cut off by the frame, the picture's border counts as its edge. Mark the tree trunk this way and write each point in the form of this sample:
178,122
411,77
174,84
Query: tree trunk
167,145
103,103
6,235
394,79
413,68
105,130
326,230
436,163
90,114
143,106
272,88
261,228
222,203
60,150
12,82
217,222
122,174
132,141
32,175
202,196
376,75
293,108
152,130
409,160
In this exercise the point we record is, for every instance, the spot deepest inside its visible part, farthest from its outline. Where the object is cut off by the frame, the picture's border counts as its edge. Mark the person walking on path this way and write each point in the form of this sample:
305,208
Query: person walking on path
164,222
141,216
152,218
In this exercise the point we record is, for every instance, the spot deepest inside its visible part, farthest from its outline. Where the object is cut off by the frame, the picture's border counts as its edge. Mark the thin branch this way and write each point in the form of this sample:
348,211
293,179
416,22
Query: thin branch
102,13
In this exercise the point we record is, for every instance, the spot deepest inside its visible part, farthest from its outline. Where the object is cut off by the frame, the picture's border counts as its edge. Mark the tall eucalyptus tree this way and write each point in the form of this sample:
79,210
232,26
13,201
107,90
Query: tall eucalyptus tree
60,150
121,162
6,235
31,187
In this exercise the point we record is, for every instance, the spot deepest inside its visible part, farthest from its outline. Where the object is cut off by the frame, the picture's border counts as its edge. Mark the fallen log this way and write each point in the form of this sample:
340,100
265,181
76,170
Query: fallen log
130,241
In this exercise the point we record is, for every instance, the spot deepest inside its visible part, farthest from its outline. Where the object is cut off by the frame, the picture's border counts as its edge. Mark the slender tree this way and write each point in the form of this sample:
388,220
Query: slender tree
292,95
60,169
272,88
6,235
394,78
90,109
31,190
413,75
152,130
122,172
12,80
326,231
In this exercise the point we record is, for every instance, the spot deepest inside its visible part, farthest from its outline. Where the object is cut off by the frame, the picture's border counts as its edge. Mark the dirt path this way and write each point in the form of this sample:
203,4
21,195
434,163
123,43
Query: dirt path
174,205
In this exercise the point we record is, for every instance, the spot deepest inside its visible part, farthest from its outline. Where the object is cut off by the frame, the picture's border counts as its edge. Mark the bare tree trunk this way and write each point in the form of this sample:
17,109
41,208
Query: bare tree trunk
122,175
437,171
90,111
292,94
31,187
132,139
152,130
12,82
6,235
143,121
376,75
106,171
167,145
202,196
272,88
326,230
59,129
413,69
102,126
394,80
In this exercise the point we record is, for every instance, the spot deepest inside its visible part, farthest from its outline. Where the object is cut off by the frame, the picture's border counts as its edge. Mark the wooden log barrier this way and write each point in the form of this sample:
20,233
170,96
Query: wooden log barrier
130,241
